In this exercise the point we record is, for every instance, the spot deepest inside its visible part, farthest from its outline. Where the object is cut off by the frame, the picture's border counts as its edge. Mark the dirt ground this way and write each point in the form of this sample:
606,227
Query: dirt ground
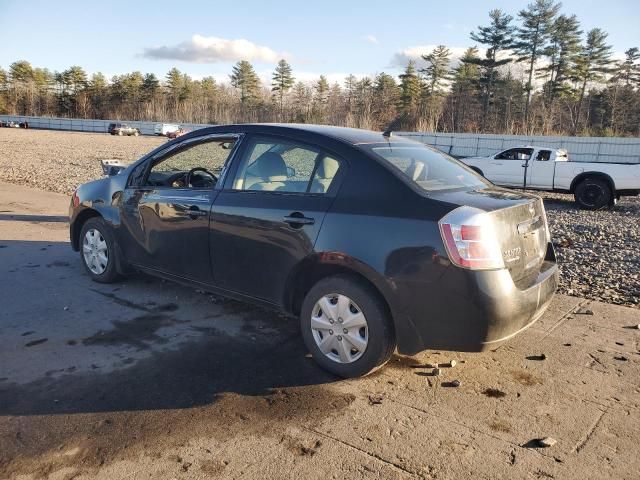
147,379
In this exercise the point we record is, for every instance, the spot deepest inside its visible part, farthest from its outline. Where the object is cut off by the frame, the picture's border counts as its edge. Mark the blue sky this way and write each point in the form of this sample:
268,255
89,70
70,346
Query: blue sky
205,38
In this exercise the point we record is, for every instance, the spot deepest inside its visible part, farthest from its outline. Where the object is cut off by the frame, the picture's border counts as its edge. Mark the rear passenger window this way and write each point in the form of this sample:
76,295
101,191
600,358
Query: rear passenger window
285,167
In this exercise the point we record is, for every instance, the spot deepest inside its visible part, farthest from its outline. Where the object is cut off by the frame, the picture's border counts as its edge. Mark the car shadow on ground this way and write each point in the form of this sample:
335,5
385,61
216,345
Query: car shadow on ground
194,375
263,354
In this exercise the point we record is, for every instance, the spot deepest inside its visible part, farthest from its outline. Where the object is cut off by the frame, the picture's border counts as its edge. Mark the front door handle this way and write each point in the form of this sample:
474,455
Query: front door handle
194,212
297,219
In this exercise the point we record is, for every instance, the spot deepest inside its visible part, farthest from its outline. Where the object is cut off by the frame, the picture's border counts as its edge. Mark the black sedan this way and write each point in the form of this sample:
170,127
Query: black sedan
374,241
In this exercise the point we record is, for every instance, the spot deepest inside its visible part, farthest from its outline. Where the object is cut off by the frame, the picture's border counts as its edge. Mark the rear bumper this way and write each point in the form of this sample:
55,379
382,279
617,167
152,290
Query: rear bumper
474,311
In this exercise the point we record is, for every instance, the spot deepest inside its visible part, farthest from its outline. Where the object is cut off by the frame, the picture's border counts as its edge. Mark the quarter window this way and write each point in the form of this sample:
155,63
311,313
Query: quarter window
286,167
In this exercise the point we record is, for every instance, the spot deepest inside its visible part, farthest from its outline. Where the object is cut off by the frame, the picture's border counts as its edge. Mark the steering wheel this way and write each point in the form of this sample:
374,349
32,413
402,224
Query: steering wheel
187,178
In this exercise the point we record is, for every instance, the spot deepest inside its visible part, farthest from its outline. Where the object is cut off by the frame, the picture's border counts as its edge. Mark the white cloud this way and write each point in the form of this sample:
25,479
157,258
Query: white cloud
401,58
448,26
371,39
201,49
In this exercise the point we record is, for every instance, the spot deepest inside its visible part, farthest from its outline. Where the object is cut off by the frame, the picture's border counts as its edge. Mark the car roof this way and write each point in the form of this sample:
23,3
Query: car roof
353,136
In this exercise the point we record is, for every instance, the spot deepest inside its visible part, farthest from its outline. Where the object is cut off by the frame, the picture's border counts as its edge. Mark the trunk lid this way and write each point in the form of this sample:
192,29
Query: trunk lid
520,224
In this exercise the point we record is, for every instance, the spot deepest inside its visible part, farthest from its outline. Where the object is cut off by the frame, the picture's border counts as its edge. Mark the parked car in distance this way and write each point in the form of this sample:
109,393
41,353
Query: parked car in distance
176,133
594,185
122,129
165,128
373,241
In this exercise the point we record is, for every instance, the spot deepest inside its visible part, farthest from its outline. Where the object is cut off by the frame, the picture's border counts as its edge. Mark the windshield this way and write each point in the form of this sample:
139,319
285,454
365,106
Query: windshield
428,168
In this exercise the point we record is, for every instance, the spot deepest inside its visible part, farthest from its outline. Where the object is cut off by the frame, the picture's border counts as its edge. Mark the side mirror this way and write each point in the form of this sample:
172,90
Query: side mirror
291,172
112,167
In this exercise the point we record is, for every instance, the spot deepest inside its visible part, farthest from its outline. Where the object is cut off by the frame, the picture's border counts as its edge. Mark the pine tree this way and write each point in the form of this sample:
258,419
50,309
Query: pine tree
628,71
320,99
562,51
465,88
173,81
411,88
498,38
150,86
245,79
321,89
437,72
20,71
533,37
350,90
592,63
385,100
281,83
302,99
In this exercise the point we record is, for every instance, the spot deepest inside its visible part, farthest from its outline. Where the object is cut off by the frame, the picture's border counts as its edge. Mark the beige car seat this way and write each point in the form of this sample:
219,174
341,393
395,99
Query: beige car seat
324,175
269,172
417,171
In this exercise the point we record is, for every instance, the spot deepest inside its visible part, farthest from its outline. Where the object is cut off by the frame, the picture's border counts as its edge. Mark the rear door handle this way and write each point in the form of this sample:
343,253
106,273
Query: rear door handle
297,219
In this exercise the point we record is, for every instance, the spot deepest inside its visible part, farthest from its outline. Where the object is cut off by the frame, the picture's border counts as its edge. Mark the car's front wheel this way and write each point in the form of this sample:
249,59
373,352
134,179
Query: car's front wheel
97,251
346,326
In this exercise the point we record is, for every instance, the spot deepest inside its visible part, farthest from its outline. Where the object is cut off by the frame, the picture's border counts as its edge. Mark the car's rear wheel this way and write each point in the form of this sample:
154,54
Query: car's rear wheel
346,326
120,133
593,194
136,133
97,251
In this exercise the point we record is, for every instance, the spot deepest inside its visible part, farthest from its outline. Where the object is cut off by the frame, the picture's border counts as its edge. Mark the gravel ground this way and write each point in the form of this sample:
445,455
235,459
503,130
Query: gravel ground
598,251
60,161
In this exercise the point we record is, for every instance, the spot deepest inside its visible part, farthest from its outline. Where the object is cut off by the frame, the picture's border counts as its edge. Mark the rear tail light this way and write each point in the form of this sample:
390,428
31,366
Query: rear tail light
470,239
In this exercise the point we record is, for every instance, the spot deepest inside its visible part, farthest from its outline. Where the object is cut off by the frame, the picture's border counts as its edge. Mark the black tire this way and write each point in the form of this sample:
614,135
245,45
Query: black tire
593,193
110,273
381,335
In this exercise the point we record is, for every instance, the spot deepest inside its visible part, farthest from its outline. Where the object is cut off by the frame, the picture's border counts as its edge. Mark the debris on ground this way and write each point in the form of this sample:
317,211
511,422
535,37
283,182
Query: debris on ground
583,311
540,357
621,358
436,372
455,383
375,399
547,442
494,393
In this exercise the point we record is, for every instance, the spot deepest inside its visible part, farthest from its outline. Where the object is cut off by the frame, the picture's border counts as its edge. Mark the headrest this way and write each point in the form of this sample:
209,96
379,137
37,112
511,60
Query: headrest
328,168
271,167
417,171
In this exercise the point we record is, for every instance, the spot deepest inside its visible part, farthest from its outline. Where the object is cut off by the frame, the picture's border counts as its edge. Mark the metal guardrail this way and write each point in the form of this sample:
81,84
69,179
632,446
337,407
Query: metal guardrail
88,125
581,149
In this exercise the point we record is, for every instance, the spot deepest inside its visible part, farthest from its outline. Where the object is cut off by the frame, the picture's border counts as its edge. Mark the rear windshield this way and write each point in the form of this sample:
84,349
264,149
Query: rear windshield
428,168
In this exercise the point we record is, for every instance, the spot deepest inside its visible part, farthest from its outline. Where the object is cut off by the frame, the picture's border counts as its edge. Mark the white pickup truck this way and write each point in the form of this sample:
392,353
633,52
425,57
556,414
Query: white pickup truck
594,185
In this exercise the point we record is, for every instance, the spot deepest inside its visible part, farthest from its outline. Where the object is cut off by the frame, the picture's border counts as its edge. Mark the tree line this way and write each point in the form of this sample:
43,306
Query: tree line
535,73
